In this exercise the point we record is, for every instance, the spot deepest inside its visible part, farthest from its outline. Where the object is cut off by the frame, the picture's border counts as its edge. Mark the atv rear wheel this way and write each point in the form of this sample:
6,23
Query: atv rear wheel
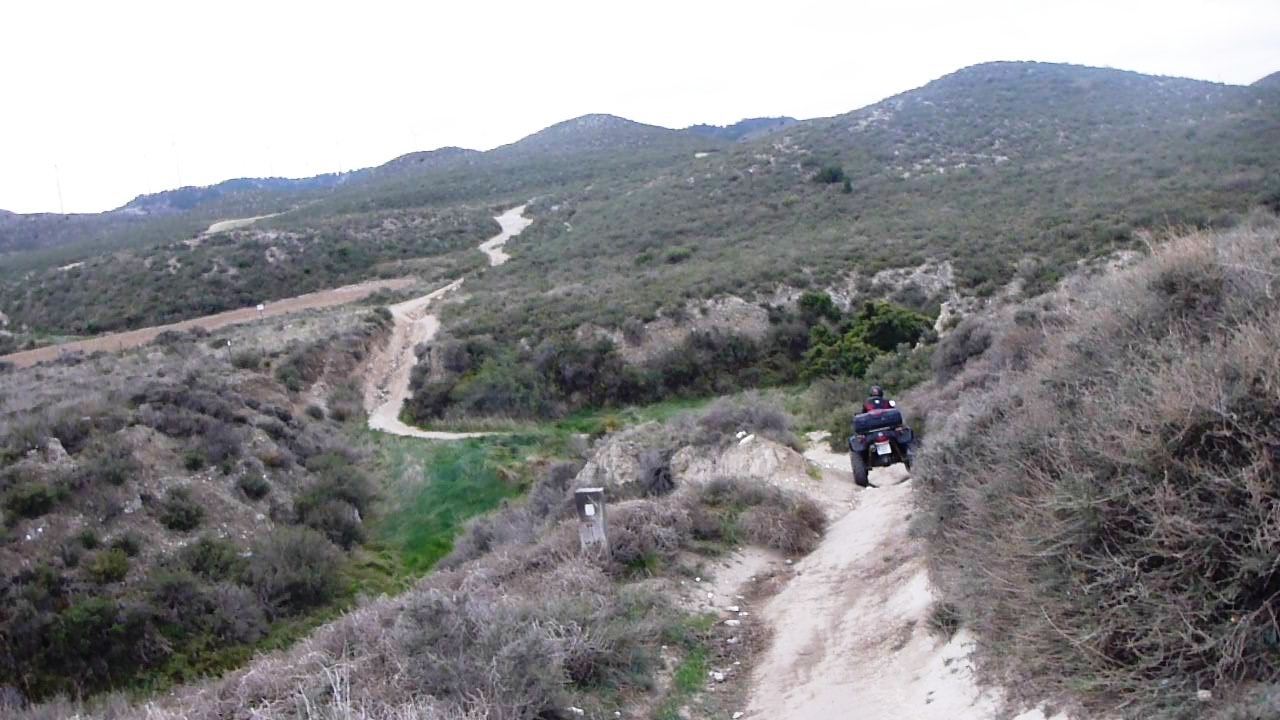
859,470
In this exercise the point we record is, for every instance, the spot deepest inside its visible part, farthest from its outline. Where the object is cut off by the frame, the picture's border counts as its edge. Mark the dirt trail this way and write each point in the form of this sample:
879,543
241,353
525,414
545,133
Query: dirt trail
225,225
134,338
512,222
387,381
851,637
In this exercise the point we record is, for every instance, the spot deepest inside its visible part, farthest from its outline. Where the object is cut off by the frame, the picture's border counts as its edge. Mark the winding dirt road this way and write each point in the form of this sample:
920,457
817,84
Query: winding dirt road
387,386
850,630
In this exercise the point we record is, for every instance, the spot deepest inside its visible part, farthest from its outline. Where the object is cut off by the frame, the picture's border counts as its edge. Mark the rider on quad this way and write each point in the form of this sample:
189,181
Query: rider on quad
880,437
876,401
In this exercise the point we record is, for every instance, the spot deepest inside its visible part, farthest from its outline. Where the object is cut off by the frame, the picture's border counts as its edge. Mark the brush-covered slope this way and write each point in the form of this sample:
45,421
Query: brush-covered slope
1009,171
1102,507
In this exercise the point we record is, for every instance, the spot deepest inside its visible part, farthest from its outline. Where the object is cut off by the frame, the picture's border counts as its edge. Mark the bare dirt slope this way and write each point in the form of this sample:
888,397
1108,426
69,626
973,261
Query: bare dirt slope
387,380
236,224
513,222
850,630
134,338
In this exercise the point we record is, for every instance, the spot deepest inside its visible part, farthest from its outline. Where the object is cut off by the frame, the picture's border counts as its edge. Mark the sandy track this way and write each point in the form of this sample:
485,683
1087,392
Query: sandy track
134,338
851,636
225,225
388,387
387,380
512,222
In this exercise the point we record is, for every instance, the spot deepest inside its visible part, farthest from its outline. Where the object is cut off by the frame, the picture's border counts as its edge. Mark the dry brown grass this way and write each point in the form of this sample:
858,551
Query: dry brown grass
1103,505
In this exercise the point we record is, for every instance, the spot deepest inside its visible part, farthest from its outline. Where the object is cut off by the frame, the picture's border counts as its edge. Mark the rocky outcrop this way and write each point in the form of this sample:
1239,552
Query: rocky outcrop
613,464
752,458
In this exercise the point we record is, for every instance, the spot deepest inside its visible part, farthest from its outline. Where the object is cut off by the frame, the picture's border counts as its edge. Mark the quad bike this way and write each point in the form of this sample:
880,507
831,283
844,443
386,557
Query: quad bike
880,439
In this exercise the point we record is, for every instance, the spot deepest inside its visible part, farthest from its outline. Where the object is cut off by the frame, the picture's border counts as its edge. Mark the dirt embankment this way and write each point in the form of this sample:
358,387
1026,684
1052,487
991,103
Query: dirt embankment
135,338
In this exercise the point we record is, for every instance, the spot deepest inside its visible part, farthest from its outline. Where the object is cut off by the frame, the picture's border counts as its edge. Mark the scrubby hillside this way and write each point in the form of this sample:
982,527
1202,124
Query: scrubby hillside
519,624
1009,172
167,510
1102,507
240,268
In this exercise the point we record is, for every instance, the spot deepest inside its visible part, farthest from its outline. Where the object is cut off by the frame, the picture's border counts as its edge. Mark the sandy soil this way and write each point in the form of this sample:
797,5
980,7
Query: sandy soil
225,225
387,378
387,382
850,630
134,338
513,222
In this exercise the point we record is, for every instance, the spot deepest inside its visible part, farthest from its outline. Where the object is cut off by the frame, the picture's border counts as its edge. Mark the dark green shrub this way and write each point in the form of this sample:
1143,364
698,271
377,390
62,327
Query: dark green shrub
292,569
253,485
30,499
88,539
112,464
194,459
247,359
212,558
128,542
315,412
108,566
338,520
180,511
831,174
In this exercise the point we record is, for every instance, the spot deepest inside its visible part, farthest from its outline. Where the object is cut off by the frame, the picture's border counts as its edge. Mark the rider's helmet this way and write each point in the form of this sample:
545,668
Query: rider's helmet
877,391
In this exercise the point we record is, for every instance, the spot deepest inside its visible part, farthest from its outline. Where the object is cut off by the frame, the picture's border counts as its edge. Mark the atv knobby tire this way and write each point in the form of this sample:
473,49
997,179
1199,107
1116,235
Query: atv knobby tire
859,467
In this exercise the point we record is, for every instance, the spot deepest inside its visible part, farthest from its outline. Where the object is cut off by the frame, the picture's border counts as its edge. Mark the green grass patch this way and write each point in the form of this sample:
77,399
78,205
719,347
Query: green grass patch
689,679
434,488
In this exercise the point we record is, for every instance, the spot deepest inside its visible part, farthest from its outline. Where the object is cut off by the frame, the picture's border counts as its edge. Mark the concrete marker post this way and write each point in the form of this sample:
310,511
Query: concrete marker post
592,528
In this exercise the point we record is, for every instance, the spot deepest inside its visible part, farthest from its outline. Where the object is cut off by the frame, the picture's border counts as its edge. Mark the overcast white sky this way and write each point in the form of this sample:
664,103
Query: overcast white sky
127,97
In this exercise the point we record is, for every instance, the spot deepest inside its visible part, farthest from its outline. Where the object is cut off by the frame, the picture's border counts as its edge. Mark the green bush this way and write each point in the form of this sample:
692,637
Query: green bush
30,499
112,464
180,511
194,459
108,566
292,569
831,174
212,558
247,359
255,486
127,542
88,539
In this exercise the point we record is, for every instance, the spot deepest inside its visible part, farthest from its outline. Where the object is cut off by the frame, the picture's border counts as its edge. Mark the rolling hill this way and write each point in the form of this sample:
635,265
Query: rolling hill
1006,171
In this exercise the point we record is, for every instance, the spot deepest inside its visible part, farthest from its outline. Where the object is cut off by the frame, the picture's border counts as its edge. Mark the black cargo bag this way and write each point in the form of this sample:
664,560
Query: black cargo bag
876,420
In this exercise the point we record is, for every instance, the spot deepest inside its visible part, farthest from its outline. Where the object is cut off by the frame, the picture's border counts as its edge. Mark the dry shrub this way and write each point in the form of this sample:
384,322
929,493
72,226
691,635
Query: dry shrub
776,528
763,514
750,413
655,473
1108,519
642,535
971,338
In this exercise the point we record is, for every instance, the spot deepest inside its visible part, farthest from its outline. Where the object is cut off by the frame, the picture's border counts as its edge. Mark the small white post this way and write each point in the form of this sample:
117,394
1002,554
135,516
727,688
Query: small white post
592,529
